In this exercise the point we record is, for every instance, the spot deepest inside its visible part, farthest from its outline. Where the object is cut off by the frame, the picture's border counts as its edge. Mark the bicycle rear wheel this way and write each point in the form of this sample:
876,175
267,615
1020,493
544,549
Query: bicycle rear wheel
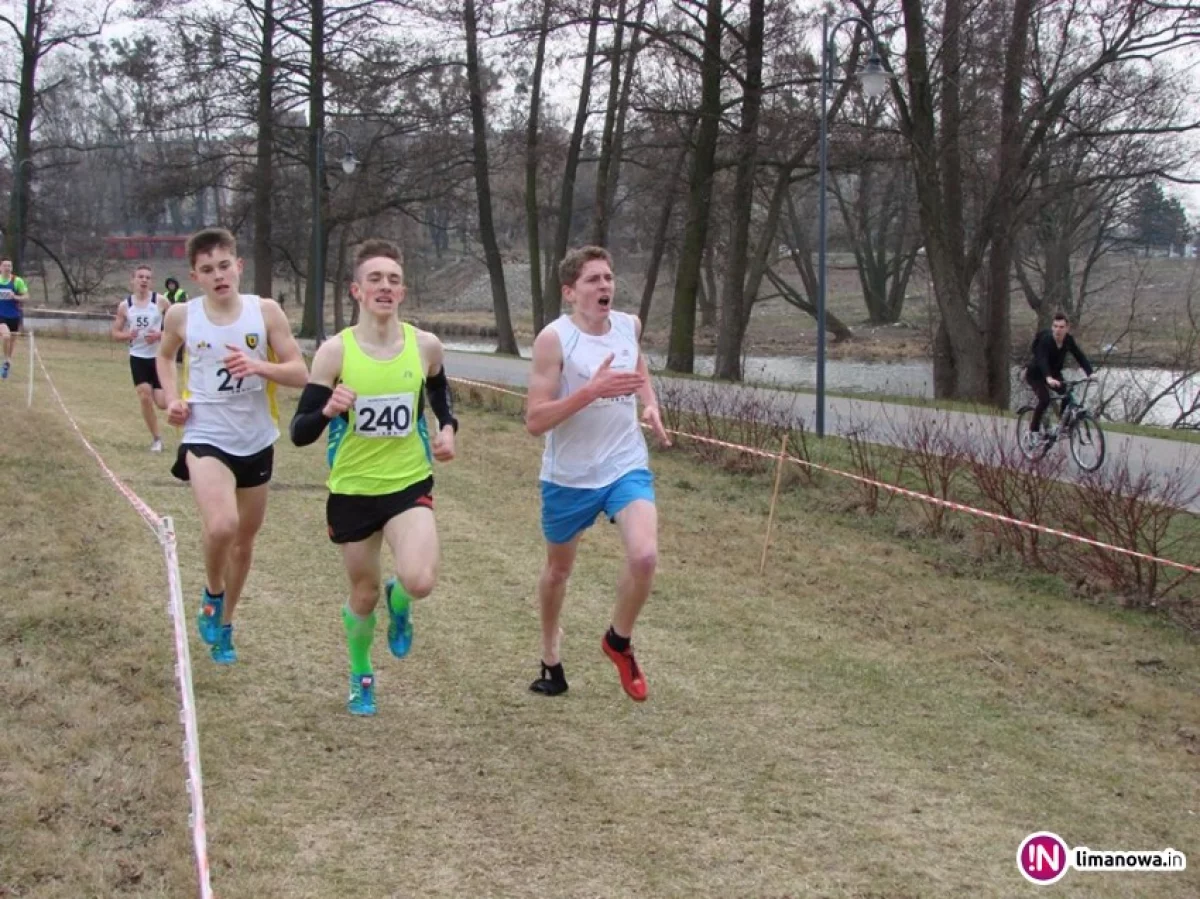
1087,443
1029,449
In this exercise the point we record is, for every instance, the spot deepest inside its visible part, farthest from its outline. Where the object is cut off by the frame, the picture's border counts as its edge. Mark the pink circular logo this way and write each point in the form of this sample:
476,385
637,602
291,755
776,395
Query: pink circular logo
1043,857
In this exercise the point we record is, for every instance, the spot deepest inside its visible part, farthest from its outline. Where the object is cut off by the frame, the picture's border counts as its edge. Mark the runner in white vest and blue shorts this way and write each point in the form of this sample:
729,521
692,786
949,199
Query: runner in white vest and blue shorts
588,374
237,347
139,322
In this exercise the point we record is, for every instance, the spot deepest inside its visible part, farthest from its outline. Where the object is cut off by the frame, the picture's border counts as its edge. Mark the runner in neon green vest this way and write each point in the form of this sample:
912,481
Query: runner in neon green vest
371,380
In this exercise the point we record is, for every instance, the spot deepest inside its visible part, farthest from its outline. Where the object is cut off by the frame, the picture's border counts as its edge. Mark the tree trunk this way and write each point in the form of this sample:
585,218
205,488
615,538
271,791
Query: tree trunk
566,203
660,240
339,280
18,211
264,171
681,352
309,324
997,302
706,296
532,212
618,151
507,341
733,314
601,213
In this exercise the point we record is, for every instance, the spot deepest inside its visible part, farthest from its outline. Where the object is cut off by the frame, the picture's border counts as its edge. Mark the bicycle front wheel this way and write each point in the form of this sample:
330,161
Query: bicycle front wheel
1087,443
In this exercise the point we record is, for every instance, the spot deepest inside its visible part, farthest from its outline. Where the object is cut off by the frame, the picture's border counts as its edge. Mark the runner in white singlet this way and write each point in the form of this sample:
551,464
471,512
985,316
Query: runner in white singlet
587,376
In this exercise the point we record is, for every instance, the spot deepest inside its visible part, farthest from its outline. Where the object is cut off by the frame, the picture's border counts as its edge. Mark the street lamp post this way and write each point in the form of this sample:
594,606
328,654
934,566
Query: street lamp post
349,164
874,81
18,221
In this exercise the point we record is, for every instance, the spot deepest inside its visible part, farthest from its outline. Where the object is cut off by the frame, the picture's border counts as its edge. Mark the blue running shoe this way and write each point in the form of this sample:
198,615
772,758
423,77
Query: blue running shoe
222,650
208,622
362,695
4,370
400,629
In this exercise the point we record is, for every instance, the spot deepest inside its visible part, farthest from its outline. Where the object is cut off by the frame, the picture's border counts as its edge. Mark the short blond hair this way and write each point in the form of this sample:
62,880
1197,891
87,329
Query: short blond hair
572,264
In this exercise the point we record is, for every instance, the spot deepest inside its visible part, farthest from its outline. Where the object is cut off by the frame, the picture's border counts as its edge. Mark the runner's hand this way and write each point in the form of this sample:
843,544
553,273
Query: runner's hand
239,364
343,398
443,444
607,383
177,412
653,418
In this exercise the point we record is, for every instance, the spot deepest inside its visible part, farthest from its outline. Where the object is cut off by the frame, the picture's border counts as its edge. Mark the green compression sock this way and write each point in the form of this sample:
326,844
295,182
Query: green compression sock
398,598
359,634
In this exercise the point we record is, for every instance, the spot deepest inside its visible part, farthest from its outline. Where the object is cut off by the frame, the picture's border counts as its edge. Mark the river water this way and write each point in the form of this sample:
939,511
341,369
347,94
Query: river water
1121,388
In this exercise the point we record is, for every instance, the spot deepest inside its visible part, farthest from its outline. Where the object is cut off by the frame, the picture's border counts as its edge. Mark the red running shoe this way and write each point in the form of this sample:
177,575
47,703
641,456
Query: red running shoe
632,681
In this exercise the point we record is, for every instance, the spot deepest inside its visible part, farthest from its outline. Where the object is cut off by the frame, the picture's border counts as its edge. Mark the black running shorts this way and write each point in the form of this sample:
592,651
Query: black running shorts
354,518
248,471
145,371
14,324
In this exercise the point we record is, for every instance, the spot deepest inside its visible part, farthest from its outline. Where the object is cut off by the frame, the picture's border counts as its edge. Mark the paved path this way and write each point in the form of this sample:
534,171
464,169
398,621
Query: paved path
879,422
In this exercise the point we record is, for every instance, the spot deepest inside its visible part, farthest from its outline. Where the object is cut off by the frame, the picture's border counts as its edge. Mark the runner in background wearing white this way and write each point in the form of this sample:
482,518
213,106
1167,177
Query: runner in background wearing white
237,348
139,321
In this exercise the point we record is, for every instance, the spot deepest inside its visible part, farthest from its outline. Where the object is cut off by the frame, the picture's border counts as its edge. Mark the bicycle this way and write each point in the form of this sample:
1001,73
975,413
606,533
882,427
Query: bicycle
1076,424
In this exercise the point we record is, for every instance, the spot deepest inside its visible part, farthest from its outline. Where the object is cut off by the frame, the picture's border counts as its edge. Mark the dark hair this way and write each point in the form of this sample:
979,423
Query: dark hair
208,240
375,247
169,282
573,263
1061,317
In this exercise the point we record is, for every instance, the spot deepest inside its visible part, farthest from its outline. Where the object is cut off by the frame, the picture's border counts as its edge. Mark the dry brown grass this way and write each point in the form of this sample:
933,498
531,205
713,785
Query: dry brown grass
856,723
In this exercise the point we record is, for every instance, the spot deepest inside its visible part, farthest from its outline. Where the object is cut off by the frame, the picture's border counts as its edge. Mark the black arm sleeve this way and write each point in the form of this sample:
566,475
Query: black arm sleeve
438,390
309,421
1079,357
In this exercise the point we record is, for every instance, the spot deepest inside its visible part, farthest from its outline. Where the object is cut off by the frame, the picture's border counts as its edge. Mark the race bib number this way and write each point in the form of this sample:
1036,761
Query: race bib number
141,322
385,416
219,384
7,293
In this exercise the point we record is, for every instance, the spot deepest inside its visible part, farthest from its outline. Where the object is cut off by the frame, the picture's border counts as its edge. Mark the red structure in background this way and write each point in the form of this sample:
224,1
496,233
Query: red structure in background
141,246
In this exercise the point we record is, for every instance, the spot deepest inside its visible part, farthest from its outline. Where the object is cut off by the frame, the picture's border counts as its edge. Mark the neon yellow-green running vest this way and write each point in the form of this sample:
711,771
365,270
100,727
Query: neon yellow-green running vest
384,447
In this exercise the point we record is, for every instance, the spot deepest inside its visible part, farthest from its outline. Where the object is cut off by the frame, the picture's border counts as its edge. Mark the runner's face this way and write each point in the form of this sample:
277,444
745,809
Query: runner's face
5,268
218,273
379,286
592,292
1060,329
141,281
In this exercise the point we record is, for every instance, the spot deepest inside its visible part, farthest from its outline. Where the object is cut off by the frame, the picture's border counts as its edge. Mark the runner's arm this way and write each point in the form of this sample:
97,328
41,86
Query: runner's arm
310,419
542,411
121,329
289,369
174,324
646,393
437,386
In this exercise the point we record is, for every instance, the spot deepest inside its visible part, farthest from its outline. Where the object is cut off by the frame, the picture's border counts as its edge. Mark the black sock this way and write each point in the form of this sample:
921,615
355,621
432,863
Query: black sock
553,681
616,641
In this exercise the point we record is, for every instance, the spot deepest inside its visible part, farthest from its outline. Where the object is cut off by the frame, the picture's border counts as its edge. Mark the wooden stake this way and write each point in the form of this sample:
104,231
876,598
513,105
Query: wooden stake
762,565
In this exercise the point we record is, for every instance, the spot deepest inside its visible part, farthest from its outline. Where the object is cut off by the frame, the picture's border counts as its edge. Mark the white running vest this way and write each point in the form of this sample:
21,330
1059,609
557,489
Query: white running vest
141,319
601,442
237,415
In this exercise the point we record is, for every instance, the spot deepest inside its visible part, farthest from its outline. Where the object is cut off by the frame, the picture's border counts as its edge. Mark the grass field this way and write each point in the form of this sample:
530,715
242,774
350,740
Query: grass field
857,722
